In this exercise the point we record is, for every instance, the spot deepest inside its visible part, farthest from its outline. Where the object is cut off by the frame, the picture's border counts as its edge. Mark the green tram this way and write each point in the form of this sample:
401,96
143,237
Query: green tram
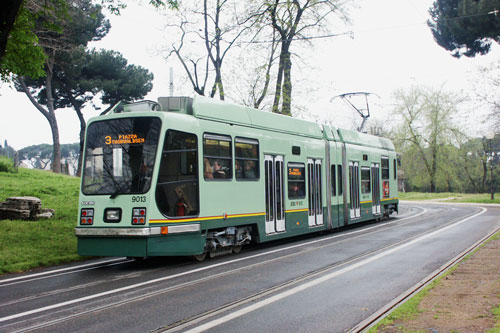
191,176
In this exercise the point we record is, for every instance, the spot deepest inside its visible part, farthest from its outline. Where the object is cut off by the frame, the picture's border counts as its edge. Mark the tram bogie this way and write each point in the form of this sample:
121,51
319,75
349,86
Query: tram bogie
195,176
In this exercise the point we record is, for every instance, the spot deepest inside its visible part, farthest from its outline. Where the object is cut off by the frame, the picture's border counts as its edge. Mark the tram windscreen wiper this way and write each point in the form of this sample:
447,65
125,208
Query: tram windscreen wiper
115,194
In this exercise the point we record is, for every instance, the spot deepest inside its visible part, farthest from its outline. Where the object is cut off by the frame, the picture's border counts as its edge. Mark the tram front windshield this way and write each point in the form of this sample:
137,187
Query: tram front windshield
120,156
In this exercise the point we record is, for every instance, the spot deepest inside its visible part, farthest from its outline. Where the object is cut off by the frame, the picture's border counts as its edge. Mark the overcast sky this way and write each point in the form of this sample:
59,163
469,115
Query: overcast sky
391,47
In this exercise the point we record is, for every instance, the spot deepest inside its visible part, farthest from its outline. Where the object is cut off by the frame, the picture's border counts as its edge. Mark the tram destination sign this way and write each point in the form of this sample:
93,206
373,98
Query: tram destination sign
124,139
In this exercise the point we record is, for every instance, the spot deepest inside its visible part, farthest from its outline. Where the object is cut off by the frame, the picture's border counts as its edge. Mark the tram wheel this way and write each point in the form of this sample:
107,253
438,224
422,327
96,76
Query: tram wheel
200,257
237,249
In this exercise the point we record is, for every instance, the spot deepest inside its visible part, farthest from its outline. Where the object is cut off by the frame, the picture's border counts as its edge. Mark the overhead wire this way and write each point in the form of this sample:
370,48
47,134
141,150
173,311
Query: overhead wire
352,33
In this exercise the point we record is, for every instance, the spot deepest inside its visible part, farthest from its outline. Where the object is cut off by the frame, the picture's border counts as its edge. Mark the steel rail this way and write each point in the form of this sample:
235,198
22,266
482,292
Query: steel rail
271,290
189,322
343,237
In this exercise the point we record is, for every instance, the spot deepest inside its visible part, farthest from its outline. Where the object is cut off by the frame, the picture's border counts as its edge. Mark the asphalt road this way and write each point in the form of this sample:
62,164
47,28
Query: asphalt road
327,282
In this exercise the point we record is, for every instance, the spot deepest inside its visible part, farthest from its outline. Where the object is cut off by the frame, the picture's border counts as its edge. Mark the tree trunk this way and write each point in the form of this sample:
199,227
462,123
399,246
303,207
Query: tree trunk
279,78
287,86
433,172
49,115
56,156
83,125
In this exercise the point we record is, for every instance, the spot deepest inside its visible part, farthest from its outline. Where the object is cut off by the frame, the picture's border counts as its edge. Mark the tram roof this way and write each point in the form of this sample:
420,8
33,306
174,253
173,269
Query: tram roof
209,108
213,109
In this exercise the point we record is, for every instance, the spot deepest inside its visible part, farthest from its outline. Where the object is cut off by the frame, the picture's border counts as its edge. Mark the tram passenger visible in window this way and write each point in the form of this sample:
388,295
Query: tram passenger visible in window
250,170
208,169
295,191
219,170
239,170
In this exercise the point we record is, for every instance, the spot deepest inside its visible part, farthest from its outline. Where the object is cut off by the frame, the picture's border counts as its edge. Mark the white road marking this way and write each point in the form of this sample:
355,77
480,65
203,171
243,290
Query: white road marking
73,269
322,279
145,283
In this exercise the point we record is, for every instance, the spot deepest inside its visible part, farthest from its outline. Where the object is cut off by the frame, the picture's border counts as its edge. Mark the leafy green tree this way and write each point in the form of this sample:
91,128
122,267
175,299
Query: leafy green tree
82,74
426,130
85,23
20,50
465,27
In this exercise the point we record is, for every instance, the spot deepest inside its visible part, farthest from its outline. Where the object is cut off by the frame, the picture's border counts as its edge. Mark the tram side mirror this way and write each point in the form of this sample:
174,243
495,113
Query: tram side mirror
399,161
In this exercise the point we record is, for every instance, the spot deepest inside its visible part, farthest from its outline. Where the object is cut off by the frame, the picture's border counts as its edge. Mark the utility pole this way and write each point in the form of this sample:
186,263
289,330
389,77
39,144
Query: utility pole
490,137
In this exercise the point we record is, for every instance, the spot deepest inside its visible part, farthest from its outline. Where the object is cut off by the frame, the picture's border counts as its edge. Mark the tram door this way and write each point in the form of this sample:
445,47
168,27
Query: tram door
376,188
314,192
275,205
355,208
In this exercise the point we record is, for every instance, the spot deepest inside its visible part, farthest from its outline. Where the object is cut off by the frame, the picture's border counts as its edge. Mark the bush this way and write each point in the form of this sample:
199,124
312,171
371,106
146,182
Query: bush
7,164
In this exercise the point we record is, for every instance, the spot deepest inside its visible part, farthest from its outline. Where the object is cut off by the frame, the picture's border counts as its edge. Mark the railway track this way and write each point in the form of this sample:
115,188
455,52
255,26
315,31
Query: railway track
44,318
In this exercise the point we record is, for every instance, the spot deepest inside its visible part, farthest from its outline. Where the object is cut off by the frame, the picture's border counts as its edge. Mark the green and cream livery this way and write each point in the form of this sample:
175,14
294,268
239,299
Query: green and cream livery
191,176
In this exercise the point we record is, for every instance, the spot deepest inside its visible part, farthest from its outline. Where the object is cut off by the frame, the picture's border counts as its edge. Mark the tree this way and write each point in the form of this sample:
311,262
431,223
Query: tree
82,74
465,27
293,19
217,26
84,23
427,129
20,52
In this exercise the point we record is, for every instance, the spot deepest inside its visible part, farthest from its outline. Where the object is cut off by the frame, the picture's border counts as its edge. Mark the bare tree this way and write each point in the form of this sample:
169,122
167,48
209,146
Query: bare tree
294,20
427,125
218,27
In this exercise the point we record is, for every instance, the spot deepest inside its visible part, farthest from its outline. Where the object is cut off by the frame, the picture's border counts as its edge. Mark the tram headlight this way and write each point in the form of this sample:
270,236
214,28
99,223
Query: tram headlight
139,216
87,216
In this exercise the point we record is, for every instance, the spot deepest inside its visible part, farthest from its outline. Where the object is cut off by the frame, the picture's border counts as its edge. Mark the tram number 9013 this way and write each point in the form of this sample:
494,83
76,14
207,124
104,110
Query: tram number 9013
139,198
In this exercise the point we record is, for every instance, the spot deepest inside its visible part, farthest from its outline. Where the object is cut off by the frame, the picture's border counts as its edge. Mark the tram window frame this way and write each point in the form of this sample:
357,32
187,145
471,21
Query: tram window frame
219,157
365,183
395,170
340,179
300,181
244,161
334,180
384,166
173,184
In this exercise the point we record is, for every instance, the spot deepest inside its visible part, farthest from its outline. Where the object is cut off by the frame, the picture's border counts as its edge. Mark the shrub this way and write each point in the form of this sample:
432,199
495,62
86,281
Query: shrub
6,164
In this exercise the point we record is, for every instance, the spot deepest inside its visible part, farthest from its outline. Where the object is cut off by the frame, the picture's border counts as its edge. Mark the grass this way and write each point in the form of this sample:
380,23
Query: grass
452,197
6,164
28,244
410,308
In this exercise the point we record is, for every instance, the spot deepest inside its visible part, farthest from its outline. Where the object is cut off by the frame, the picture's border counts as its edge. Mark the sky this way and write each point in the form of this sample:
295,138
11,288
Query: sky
390,47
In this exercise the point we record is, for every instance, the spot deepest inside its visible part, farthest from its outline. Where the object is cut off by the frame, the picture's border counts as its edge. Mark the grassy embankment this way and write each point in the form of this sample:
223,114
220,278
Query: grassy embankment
411,307
450,197
29,244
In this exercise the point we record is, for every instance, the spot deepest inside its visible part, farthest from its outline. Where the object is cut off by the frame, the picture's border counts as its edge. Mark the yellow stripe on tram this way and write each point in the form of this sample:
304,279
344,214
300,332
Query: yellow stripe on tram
208,218
296,210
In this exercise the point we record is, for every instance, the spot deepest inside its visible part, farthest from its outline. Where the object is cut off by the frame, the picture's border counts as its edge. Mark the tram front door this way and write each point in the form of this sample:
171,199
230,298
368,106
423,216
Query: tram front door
314,192
275,205
376,189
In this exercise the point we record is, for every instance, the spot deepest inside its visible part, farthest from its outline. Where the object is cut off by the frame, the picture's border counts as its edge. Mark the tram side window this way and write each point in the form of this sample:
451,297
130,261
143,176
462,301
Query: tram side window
334,181
296,181
385,177
246,159
177,188
385,167
365,180
217,157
